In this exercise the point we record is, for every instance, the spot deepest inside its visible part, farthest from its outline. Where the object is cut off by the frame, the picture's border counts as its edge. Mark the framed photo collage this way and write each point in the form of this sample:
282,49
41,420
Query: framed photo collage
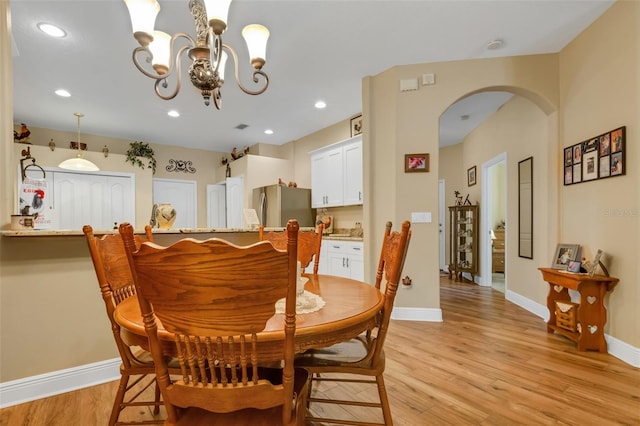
600,157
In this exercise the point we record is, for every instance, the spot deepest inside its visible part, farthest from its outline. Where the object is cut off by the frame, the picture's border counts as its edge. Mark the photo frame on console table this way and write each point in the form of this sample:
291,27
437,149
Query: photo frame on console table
597,158
565,253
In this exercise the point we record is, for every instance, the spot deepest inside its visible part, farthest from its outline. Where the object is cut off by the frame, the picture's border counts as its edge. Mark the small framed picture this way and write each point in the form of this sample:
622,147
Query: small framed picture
577,153
471,176
416,163
564,254
568,156
568,175
605,170
574,266
590,165
617,164
356,125
577,173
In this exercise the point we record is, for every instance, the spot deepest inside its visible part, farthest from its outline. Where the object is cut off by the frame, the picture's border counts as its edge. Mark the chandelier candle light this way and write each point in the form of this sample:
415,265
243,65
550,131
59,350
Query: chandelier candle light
78,163
207,52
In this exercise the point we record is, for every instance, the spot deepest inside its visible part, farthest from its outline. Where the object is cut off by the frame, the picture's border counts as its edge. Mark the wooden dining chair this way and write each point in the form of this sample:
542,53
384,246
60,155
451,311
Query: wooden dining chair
309,243
215,298
363,355
114,278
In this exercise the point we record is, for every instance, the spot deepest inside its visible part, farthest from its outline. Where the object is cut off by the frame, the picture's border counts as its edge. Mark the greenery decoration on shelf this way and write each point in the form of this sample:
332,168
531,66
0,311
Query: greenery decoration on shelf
141,149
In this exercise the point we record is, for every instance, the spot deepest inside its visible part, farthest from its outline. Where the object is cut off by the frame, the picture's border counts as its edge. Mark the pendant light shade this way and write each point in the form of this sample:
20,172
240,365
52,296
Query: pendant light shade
78,163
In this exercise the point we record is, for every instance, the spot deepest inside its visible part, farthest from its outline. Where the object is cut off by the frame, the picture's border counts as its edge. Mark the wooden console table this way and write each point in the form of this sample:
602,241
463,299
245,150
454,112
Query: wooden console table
592,315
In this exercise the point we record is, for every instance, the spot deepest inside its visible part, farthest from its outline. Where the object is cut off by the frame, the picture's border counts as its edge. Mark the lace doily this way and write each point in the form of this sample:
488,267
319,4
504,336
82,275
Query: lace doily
306,303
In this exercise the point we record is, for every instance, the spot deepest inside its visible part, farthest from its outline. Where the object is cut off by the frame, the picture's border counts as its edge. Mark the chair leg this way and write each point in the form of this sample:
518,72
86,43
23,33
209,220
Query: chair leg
156,409
117,402
384,400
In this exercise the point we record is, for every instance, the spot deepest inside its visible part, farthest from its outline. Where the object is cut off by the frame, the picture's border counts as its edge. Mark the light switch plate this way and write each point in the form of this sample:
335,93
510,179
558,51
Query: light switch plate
421,217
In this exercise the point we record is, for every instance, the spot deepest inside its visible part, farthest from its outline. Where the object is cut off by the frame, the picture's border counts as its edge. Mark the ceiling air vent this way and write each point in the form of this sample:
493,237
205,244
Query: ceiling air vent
242,126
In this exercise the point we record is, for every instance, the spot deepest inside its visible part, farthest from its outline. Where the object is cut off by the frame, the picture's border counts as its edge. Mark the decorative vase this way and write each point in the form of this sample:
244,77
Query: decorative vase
165,216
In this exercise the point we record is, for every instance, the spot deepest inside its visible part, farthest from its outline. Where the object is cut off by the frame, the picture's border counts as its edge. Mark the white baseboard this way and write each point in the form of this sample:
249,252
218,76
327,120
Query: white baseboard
621,350
417,314
57,382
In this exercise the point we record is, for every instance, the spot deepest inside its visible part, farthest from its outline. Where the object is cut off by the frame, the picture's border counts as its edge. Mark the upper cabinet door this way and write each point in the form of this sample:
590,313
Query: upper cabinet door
336,174
353,172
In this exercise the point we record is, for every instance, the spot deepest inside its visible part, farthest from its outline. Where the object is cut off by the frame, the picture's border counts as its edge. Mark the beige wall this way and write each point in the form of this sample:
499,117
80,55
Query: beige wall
405,122
599,92
517,130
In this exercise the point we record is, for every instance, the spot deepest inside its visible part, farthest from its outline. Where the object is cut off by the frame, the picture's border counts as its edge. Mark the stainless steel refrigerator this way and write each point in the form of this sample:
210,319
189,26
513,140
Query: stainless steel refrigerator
276,204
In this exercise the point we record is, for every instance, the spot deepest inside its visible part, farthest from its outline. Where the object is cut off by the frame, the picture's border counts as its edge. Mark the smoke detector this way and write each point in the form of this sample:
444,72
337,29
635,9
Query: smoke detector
495,44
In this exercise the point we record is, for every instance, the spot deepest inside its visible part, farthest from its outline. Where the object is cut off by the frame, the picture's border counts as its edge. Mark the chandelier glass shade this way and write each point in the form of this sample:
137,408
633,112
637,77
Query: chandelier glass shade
78,163
207,51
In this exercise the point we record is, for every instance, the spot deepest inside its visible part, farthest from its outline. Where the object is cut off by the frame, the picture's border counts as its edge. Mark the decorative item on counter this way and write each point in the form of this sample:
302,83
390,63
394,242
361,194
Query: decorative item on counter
293,185
165,215
21,221
281,182
105,151
141,149
52,145
23,135
225,161
327,221
406,280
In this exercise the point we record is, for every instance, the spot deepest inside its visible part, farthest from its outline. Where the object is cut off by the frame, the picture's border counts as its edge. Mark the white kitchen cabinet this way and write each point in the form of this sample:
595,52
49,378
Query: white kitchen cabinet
327,178
353,172
336,174
345,259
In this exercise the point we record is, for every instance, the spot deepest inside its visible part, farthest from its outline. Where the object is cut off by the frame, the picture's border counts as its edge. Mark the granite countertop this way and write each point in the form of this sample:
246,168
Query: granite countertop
71,232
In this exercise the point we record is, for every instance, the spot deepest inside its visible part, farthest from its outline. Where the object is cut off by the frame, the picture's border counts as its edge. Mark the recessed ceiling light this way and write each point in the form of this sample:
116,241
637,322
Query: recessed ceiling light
173,113
495,44
52,30
268,132
62,93
320,104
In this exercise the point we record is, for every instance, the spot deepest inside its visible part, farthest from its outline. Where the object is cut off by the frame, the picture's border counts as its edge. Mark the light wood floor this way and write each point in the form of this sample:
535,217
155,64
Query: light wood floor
489,363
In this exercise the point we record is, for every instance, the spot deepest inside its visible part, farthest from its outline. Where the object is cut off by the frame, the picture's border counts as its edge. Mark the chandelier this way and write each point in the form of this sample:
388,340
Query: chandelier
207,51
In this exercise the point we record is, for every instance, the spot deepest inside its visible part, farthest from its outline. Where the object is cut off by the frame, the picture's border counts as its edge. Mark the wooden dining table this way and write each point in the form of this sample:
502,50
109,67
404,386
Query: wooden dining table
350,308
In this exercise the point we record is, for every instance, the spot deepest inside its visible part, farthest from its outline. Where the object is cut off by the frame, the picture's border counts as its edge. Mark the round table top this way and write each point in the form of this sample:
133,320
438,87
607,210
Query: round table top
350,308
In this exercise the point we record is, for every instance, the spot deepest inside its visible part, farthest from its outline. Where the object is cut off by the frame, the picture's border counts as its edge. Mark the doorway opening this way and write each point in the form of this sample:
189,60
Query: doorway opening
493,216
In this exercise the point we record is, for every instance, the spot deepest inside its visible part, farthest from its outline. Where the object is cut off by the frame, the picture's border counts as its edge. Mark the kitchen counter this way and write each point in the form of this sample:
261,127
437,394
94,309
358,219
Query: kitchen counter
72,232
341,237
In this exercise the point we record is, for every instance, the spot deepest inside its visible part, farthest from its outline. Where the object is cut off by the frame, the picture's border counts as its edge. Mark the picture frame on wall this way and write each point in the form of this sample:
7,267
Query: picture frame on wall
590,165
597,158
565,253
471,176
416,163
356,125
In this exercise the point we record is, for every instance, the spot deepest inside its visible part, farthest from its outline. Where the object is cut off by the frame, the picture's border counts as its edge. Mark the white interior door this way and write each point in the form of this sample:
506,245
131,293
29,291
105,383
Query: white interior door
235,202
182,195
217,205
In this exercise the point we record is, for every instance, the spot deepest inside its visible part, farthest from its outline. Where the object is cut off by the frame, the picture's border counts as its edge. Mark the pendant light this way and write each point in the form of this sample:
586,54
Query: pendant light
78,163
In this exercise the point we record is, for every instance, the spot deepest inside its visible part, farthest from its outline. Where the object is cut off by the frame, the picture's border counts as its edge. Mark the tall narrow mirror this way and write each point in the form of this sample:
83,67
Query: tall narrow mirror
525,208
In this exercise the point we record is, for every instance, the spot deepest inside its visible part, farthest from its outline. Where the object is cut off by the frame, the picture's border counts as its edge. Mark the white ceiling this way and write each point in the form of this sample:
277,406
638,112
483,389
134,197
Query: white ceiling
318,50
